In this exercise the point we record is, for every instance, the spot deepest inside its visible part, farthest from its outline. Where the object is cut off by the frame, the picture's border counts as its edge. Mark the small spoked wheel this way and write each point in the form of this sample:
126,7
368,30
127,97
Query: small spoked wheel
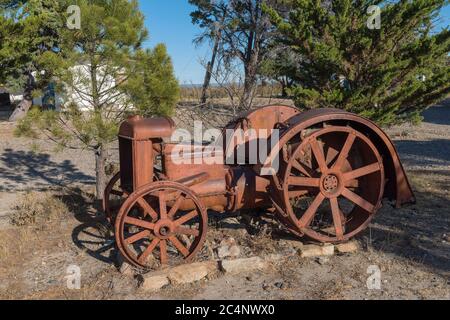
163,223
113,198
333,184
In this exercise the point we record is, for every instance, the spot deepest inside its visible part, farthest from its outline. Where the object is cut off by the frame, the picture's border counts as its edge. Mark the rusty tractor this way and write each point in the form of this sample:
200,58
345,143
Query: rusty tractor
334,170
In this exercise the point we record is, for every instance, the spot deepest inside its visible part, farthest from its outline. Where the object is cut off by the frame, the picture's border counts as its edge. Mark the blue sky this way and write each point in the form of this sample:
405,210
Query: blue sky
169,22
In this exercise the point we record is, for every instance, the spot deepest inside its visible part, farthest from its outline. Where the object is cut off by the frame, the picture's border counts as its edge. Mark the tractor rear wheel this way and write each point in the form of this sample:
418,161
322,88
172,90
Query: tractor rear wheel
333,184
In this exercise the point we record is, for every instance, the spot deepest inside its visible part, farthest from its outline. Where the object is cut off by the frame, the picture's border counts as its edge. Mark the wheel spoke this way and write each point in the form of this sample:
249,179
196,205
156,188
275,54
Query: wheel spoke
162,205
336,212
184,251
147,208
163,251
308,216
148,251
176,205
138,236
304,182
318,154
299,166
354,183
355,174
187,231
186,218
139,223
356,199
344,151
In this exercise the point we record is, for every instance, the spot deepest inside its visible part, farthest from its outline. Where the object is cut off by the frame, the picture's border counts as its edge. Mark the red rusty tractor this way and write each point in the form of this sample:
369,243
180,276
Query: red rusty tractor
334,169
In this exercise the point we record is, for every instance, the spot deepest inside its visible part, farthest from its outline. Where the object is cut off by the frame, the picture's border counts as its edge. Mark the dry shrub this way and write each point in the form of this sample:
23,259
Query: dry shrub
36,208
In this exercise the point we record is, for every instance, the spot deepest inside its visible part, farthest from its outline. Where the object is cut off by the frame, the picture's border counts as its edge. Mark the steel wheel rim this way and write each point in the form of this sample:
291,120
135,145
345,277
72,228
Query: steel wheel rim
109,191
330,183
163,229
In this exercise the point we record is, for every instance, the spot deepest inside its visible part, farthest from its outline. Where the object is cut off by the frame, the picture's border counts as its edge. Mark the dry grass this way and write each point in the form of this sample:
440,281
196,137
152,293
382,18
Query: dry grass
193,93
14,243
35,208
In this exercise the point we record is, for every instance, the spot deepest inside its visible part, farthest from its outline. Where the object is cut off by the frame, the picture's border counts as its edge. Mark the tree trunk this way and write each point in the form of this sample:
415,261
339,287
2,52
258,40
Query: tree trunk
100,160
210,68
249,84
22,108
284,86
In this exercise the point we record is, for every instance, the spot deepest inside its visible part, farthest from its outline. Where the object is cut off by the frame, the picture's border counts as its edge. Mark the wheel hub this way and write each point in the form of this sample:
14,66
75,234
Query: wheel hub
163,229
330,183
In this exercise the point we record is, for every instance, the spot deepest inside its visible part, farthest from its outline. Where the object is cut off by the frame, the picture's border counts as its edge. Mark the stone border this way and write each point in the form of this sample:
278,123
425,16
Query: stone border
189,273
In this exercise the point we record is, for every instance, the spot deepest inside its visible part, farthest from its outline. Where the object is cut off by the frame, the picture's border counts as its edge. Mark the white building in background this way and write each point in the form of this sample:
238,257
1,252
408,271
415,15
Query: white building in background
80,93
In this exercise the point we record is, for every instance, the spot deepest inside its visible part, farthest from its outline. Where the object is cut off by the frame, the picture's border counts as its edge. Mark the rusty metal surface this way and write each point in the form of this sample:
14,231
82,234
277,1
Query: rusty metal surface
397,188
327,169
138,128
335,168
151,226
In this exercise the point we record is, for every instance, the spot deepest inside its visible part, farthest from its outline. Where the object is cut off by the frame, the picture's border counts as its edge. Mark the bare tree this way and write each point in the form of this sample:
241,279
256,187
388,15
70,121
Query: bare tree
241,31
210,16
246,38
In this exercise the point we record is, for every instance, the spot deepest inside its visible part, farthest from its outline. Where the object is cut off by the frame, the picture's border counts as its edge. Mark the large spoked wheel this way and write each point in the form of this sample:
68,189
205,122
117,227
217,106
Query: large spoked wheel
333,184
152,231
113,198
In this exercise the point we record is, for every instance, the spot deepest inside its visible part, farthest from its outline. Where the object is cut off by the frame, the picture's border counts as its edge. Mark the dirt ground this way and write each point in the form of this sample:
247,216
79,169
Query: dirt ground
411,245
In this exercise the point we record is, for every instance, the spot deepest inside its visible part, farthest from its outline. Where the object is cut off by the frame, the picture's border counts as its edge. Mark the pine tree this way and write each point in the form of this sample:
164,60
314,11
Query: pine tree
33,32
106,75
389,74
280,65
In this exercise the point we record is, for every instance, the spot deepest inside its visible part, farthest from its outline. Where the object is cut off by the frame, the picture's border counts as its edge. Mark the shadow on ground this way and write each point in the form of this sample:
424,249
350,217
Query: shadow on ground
439,114
26,169
424,153
94,234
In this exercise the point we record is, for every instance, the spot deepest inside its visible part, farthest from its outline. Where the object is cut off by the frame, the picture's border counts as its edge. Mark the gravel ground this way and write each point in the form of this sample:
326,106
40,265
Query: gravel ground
410,245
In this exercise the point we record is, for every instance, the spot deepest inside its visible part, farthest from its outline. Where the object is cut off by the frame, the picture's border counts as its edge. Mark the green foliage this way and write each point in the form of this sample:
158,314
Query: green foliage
106,76
279,65
388,74
153,86
29,29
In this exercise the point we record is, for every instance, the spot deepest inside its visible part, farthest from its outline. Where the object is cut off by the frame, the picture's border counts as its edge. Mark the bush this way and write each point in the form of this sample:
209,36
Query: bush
35,208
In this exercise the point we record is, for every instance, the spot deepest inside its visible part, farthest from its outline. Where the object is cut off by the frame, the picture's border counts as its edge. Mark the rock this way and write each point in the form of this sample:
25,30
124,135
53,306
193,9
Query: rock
228,248
347,247
291,243
189,273
322,260
279,285
446,237
242,265
153,281
124,267
275,258
312,250
232,223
